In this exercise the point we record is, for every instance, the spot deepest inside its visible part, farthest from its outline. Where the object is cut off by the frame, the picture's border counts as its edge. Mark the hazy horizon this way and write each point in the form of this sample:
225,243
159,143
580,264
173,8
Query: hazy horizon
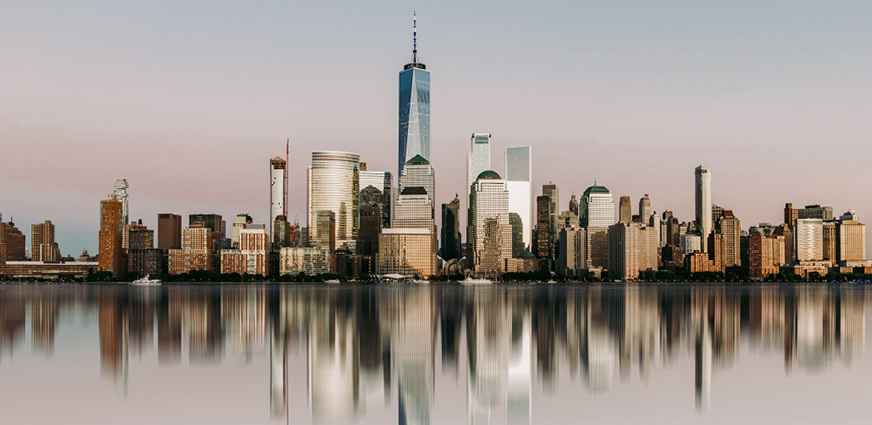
189,101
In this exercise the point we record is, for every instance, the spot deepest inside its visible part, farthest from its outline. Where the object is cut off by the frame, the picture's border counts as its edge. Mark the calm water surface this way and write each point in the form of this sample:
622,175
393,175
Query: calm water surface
443,354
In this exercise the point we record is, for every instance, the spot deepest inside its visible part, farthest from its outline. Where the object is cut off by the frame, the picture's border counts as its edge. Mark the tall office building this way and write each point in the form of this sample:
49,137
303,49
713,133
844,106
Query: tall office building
277,195
451,242
649,246
478,158
239,223
624,238
597,214
851,235
42,242
573,204
13,241
169,231
334,185
731,229
831,242
370,228
519,178
414,109
110,235
414,209
808,239
544,242
625,210
553,193
325,229
645,210
703,182
419,173
376,188
489,234
119,193
790,214
572,255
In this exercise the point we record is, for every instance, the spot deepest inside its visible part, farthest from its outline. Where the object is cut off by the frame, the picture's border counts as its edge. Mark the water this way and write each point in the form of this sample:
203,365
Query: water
442,354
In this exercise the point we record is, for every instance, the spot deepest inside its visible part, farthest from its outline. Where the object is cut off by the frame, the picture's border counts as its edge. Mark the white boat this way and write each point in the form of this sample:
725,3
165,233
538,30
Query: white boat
420,282
145,281
472,281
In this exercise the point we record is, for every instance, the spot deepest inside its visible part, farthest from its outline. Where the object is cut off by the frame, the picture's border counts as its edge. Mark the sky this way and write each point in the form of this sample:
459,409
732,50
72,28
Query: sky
189,100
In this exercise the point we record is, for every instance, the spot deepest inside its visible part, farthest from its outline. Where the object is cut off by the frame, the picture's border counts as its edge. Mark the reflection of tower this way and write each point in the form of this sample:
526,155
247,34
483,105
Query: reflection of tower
413,341
278,362
518,401
113,340
333,365
169,329
703,367
43,318
488,345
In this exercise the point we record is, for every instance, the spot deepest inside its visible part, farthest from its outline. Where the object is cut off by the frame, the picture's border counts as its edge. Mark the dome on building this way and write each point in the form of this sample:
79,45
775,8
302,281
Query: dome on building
489,175
595,189
527,254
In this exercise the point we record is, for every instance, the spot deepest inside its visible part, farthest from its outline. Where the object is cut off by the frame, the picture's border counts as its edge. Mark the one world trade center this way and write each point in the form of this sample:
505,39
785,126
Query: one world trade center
414,128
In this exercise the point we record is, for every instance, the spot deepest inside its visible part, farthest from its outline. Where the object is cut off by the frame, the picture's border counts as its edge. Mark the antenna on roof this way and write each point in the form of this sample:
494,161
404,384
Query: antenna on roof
414,36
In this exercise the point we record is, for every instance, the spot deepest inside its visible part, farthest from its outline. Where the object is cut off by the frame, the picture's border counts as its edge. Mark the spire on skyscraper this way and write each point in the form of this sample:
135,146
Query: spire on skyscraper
414,36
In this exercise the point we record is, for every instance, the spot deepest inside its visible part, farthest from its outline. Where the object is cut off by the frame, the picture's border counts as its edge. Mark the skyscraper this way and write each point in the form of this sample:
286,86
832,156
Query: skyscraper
478,158
334,185
597,214
808,239
573,204
703,182
851,235
645,210
119,193
414,108
489,234
519,173
277,177
624,243
544,242
169,231
553,193
731,229
110,235
625,210
42,242
451,247
376,188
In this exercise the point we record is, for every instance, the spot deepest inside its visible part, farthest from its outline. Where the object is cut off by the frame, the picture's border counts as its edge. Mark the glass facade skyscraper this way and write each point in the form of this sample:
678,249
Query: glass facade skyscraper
414,111
597,214
519,177
334,185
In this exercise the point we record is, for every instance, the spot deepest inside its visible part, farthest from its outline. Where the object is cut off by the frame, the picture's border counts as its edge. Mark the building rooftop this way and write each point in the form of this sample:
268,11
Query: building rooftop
489,175
595,189
418,160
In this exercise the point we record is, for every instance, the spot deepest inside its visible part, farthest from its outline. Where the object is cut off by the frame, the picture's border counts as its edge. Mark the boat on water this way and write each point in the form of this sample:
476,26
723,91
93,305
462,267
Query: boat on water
473,281
146,281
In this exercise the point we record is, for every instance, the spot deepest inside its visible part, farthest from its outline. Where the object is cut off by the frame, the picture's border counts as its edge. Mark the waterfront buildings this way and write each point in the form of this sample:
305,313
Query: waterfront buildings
196,252
110,257
277,189
597,214
252,255
451,242
333,185
407,251
414,110
703,184
519,179
303,259
169,231
489,232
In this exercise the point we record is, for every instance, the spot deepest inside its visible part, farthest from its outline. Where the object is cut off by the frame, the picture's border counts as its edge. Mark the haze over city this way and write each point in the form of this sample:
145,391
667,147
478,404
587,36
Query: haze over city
189,101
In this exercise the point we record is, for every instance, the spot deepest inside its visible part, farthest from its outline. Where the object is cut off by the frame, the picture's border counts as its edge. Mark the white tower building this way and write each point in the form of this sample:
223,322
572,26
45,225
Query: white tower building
519,178
703,205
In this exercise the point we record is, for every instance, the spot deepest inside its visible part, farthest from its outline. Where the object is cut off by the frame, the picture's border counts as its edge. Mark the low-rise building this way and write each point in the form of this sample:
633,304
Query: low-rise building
303,259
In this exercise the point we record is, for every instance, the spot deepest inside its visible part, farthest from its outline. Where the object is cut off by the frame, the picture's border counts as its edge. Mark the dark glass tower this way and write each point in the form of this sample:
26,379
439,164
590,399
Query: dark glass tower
414,108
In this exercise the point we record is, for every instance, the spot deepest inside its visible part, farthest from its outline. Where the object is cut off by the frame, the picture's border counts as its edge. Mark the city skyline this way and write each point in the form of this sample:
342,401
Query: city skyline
626,164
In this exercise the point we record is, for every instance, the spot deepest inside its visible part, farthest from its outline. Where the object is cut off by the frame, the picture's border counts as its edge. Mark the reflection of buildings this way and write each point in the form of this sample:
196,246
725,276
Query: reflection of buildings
355,344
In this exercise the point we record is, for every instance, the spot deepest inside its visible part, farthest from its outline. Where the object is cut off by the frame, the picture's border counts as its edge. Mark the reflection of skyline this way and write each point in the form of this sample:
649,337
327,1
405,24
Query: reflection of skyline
496,343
